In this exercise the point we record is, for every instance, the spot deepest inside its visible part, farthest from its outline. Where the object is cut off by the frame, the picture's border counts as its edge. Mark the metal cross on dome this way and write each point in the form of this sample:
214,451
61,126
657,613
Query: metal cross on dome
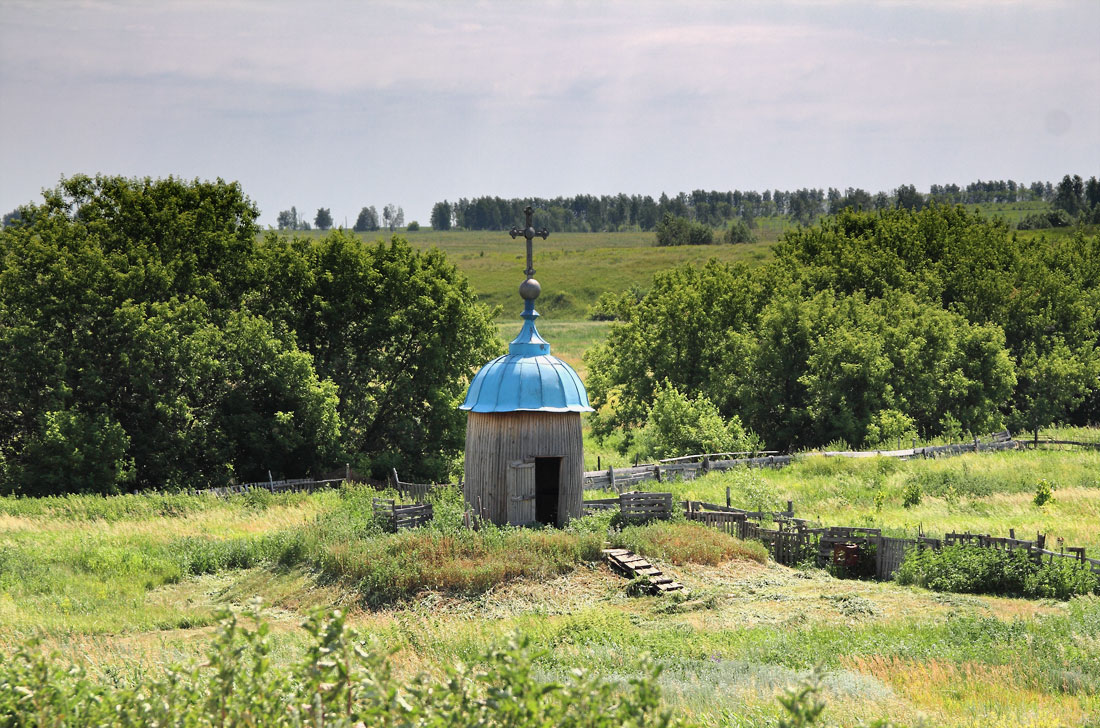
530,233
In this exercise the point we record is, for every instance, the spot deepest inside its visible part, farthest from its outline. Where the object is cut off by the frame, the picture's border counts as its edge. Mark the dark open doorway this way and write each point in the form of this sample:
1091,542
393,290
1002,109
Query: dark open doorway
547,480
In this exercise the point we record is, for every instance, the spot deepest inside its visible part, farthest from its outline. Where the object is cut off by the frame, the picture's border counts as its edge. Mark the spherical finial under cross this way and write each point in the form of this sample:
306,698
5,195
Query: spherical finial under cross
530,289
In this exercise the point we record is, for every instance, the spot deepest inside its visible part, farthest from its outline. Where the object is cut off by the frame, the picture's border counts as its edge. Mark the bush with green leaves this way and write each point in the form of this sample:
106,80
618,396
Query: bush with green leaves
973,569
1044,492
674,230
738,232
678,424
912,495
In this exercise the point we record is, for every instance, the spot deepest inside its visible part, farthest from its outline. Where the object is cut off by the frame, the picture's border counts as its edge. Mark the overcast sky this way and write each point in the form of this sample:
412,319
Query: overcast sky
347,104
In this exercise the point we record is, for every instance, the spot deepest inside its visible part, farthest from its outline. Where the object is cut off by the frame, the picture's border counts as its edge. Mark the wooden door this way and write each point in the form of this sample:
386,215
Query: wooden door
521,492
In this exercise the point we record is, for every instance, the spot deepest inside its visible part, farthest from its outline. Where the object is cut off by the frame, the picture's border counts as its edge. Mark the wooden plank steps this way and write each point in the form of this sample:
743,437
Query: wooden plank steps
630,564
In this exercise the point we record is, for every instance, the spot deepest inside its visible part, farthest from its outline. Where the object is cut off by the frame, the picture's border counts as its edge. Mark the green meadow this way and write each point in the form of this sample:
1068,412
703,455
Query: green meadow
122,585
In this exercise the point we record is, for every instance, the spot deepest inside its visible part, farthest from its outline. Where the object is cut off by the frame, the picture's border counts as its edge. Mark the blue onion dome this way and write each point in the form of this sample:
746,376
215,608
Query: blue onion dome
528,378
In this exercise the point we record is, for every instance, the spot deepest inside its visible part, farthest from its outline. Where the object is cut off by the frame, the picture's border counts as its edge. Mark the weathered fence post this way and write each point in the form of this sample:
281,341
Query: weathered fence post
611,477
790,509
728,497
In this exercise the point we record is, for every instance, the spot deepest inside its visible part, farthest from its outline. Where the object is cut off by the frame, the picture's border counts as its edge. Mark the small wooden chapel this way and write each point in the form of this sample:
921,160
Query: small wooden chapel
524,447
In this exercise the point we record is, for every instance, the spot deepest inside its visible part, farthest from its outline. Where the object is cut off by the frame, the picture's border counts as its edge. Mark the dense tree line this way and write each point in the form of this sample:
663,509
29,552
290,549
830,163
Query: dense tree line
866,327
148,338
589,213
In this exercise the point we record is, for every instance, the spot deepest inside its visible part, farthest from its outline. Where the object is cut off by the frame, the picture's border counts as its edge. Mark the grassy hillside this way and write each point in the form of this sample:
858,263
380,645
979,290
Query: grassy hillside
122,584
574,268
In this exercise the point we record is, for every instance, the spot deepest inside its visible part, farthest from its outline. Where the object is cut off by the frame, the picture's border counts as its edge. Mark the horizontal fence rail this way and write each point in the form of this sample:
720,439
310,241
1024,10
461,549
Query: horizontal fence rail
689,467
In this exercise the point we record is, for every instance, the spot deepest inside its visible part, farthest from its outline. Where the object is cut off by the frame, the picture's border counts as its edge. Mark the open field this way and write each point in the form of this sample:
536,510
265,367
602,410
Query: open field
573,268
123,584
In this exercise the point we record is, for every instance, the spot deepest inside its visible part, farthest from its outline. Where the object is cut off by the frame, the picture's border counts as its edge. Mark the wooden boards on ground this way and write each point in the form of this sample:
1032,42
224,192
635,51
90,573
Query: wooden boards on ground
630,564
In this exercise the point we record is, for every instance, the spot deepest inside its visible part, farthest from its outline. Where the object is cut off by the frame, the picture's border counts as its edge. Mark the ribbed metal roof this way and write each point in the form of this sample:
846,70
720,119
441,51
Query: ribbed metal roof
527,379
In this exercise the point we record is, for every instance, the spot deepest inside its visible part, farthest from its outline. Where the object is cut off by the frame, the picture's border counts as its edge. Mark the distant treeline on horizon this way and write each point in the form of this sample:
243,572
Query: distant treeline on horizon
610,213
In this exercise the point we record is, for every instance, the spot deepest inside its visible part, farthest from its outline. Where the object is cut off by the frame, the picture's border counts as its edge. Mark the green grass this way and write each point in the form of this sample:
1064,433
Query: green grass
568,339
981,493
123,585
573,268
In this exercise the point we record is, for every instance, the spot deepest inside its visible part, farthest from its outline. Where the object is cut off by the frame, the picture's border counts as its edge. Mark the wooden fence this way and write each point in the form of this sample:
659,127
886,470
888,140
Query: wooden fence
273,486
687,468
417,491
637,506
397,516
851,550
690,467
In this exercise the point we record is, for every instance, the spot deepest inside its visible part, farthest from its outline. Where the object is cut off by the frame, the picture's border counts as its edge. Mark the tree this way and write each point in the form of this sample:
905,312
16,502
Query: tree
397,331
441,216
399,218
1069,195
367,220
147,338
323,219
908,198
865,326
15,217
288,219
123,380
413,226
1092,192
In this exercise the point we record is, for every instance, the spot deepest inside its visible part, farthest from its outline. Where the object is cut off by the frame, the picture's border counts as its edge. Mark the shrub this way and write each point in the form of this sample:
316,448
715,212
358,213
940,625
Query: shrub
739,232
752,491
678,425
1061,579
413,226
911,496
683,542
673,230
973,569
888,426
1044,220
1044,492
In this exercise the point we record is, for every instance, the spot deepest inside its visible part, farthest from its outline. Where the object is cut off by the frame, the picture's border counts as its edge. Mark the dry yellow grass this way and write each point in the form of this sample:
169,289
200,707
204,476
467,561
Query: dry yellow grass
971,694
214,523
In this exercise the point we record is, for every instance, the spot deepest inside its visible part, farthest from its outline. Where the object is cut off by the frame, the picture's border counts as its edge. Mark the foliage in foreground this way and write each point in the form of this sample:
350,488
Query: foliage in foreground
971,569
338,681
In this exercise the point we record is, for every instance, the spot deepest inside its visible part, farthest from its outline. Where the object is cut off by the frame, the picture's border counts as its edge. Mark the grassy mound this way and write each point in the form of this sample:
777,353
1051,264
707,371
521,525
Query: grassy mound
683,542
